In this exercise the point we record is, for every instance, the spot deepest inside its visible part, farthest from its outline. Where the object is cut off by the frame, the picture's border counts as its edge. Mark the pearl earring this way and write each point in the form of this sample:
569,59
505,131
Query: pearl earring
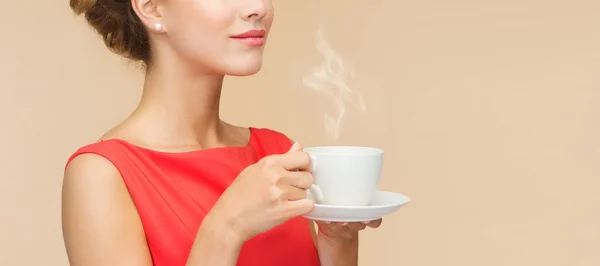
158,27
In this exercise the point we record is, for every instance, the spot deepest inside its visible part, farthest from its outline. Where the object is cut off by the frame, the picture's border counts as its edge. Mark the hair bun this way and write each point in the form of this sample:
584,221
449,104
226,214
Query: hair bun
118,24
81,6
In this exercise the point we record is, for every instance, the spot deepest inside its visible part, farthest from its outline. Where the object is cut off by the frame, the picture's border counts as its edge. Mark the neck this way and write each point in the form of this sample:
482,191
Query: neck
181,107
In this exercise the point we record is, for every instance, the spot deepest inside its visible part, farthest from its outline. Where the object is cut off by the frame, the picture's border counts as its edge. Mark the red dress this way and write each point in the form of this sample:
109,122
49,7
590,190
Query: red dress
174,191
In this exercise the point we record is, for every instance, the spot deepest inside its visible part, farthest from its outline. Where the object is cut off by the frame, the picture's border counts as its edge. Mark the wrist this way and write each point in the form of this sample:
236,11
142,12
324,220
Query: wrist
337,250
222,231
215,244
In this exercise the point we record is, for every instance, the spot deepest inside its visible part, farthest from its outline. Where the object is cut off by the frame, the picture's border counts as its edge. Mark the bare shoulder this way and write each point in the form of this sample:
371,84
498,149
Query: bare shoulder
91,177
101,225
85,167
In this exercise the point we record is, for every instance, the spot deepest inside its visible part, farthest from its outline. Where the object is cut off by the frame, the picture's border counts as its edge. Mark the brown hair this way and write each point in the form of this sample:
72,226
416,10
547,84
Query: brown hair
119,26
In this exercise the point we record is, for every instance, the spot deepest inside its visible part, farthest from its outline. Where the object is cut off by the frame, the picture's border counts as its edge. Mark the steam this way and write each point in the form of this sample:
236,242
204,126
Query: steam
330,79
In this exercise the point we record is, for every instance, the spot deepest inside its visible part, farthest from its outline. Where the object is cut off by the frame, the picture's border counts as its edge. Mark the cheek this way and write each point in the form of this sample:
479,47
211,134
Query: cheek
200,27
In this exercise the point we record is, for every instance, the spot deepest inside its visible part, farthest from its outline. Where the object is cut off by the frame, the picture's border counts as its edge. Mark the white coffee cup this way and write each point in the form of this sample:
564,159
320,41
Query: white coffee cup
345,175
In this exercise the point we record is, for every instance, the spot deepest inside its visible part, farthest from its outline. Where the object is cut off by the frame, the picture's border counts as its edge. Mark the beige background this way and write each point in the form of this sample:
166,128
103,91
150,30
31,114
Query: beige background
488,110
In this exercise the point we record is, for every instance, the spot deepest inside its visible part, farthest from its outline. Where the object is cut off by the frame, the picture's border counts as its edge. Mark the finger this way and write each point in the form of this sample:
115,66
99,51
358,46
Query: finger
327,231
353,226
294,193
329,228
375,223
338,230
324,223
295,160
299,179
299,207
296,147
356,226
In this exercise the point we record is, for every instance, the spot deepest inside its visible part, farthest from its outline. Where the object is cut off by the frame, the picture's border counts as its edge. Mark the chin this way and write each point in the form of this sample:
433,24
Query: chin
248,69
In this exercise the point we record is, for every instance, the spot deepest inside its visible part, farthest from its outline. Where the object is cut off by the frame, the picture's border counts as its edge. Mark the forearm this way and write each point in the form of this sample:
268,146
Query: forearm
215,245
337,251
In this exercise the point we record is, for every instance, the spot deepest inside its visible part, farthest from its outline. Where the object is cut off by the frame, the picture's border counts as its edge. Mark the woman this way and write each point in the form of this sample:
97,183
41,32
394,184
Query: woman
173,184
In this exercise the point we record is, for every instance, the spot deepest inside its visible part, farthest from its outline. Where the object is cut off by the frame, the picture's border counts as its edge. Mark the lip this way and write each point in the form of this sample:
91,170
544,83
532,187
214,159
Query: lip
251,37
250,34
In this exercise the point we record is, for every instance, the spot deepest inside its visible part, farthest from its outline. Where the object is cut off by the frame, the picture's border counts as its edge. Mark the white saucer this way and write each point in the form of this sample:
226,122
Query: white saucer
383,203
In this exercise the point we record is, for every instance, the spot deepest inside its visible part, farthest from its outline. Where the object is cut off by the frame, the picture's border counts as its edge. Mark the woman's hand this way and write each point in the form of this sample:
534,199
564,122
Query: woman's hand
348,231
265,195
337,243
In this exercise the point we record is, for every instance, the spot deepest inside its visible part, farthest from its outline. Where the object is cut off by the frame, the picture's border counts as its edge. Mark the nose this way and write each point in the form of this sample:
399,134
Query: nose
254,9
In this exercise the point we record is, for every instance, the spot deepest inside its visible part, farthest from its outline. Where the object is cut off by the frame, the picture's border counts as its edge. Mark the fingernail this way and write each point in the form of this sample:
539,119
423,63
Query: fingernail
366,222
344,224
294,146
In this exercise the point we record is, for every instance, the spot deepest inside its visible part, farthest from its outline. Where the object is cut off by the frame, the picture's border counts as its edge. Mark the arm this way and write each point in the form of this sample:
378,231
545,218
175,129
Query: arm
336,251
101,225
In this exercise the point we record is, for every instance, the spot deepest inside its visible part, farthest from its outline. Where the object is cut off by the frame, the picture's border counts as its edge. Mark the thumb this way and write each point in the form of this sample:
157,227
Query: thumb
296,147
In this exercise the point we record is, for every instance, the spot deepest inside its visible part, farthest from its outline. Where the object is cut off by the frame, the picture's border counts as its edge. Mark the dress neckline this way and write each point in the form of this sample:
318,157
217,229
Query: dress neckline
174,153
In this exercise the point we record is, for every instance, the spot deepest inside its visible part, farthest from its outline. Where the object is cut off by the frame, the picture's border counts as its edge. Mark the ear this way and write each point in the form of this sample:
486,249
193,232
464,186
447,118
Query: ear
148,12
